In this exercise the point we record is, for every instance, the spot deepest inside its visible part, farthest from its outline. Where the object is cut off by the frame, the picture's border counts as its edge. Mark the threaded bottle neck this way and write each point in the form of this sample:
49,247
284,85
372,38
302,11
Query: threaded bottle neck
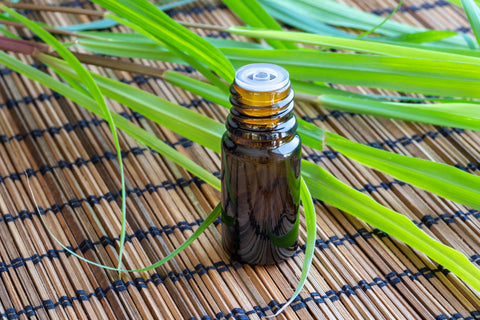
261,117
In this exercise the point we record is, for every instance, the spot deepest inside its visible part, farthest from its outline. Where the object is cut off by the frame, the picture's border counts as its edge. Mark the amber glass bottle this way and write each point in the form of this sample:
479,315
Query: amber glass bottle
260,167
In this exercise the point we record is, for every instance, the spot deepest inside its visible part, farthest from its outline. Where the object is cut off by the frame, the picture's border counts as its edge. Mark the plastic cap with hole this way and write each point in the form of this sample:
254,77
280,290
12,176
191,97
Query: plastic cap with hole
261,77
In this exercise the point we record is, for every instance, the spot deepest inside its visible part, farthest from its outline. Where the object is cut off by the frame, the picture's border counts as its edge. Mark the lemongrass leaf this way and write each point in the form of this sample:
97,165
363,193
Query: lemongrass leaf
198,87
352,44
302,21
326,187
459,115
311,223
421,37
383,22
203,226
435,177
434,77
254,15
473,14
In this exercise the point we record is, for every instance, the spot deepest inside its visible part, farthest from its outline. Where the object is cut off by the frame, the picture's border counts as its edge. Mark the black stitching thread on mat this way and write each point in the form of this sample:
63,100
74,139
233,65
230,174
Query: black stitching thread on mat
4,71
12,103
391,278
428,220
140,234
414,8
111,196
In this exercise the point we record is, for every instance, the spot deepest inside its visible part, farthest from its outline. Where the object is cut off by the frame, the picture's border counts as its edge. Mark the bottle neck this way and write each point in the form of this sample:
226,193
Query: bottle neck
261,117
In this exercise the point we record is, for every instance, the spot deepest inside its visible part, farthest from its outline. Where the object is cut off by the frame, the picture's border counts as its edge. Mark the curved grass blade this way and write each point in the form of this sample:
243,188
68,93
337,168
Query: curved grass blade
311,223
436,177
326,187
383,22
458,115
94,91
109,23
473,14
201,228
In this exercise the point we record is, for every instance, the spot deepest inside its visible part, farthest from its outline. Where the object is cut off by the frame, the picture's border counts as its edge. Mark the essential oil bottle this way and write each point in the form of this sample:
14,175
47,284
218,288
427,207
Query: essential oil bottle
261,167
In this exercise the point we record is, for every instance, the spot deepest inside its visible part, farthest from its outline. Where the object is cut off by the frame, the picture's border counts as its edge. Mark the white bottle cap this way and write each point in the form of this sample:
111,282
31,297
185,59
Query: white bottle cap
261,77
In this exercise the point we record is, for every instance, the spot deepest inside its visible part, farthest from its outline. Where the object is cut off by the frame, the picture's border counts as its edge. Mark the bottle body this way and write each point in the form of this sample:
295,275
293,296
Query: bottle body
261,156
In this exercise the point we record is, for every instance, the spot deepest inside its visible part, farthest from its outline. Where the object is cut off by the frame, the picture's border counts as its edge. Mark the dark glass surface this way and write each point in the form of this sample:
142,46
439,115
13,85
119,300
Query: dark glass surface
260,194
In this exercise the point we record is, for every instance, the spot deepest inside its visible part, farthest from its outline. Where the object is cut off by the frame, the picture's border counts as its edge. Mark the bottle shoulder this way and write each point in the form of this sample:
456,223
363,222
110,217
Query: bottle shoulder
265,149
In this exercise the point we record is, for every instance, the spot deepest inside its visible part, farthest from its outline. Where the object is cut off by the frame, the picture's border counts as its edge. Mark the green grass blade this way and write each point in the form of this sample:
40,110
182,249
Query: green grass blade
304,22
201,228
254,15
444,180
207,91
310,218
94,91
434,77
353,44
325,187
473,14
459,115
383,22
313,89
151,50
421,37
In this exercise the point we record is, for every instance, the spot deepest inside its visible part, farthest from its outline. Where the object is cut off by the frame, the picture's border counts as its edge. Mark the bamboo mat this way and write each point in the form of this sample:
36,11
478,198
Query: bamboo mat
358,272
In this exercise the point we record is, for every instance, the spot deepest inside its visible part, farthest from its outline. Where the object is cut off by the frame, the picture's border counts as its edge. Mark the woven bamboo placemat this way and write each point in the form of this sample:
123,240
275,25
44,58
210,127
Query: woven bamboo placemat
358,272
